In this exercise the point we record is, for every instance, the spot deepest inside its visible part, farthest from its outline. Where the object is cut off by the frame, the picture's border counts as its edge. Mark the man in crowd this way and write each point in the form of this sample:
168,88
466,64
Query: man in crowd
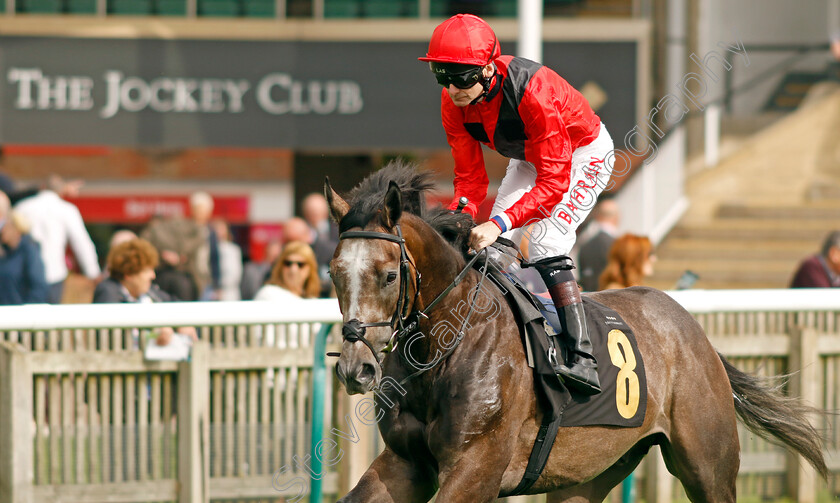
593,253
55,224
316,212
822,270
181,243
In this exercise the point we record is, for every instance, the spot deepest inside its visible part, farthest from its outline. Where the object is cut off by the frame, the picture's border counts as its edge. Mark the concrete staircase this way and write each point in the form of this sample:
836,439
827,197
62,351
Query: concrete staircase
746,246
763,209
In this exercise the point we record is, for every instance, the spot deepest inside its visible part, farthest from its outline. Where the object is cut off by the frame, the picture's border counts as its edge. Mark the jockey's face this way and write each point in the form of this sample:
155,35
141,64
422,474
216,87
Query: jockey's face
463,97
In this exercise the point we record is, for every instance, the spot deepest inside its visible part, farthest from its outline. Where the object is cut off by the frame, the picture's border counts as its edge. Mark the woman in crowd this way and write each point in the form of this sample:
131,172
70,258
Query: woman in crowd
22,276
293,276
631,259
131,272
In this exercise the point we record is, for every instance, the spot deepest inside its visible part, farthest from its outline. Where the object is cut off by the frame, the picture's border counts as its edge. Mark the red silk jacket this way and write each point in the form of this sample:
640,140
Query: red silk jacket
530,114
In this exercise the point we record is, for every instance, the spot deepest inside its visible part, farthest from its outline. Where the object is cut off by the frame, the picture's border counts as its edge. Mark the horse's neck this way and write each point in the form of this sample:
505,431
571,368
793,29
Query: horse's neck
463,309
437,262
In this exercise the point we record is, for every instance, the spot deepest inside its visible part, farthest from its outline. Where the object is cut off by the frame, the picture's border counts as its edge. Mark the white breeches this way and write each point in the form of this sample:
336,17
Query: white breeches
553,232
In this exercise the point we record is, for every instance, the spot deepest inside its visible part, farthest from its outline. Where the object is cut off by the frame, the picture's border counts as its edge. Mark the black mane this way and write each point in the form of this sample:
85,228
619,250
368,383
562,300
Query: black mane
454,227
366,201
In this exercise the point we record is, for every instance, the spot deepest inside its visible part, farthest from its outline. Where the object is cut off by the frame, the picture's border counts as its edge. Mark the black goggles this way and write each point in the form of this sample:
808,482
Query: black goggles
460,76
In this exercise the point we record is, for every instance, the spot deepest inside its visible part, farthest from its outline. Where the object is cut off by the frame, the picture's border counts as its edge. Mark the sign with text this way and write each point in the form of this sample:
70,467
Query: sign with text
190,93
139,209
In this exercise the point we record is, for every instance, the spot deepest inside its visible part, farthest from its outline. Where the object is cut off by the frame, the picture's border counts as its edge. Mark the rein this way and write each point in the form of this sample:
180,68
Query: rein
354,330
464,322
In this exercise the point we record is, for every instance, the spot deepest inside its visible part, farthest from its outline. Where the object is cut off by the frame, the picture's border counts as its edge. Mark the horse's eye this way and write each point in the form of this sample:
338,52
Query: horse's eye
392,276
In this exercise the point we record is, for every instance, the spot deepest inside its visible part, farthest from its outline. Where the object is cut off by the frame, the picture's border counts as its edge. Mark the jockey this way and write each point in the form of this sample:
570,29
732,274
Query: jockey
557,147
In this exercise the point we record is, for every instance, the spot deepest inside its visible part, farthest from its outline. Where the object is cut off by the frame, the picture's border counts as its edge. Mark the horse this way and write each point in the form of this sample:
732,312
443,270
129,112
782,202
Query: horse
456,404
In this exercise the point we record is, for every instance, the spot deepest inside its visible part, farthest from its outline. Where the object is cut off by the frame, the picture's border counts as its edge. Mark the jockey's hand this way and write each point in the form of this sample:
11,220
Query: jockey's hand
484,235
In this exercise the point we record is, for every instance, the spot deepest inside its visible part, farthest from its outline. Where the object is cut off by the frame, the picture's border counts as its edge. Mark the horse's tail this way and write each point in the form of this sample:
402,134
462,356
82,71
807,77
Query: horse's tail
769,413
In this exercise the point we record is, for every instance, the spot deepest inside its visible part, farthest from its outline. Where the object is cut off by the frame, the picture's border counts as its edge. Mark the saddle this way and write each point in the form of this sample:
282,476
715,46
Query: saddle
615,349
623,398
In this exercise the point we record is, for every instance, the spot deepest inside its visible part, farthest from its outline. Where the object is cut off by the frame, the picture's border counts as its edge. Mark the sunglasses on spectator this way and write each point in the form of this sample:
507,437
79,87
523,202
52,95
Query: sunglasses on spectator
290,263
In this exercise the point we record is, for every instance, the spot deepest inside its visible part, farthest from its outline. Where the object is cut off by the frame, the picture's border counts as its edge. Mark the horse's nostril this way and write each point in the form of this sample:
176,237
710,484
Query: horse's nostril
367,374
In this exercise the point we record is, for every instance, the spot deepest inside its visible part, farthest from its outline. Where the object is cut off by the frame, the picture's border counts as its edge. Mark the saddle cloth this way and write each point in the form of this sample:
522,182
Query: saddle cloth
623,398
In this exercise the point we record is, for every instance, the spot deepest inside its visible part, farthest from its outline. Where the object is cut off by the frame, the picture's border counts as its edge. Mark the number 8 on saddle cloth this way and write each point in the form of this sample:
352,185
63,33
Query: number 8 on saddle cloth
623,399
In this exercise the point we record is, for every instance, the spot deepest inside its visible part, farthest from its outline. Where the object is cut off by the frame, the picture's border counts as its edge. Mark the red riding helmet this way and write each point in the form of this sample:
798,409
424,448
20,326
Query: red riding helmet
465,39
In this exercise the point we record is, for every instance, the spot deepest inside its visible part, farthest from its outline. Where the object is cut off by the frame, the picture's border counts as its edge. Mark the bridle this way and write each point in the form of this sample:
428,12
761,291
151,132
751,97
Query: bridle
354,330
402,322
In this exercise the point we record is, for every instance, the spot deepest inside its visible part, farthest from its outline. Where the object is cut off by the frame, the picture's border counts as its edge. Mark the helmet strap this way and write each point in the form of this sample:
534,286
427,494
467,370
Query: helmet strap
487,85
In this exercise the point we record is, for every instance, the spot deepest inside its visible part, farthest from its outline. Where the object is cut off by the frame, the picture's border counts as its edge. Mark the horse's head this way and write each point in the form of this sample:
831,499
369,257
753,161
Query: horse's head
374,282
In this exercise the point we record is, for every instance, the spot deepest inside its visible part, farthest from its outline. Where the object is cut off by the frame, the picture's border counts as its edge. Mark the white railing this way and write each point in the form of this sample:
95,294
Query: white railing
731,301
49,317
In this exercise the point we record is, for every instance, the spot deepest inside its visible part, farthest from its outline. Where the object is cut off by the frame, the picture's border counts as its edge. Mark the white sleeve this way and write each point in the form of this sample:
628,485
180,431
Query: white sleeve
80,242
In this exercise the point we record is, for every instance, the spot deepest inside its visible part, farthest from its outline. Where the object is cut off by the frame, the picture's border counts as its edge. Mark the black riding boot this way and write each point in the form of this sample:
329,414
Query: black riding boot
580,370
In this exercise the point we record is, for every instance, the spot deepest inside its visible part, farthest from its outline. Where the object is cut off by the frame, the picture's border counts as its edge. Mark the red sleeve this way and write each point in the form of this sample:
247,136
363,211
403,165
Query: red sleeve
548,148
470,175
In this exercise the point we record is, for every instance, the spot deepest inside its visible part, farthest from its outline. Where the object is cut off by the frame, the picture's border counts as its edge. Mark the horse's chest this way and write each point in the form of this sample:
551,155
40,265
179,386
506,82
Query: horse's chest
405,434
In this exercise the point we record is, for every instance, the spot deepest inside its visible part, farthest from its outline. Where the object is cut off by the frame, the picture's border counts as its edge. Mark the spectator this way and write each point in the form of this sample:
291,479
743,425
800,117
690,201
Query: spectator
255,274
22,277
121,236
55,224
593,252
131,272
294,275
296,229
118,237
631,259
230,262
7,186
177,241
207,272
180,241
821,270
316,212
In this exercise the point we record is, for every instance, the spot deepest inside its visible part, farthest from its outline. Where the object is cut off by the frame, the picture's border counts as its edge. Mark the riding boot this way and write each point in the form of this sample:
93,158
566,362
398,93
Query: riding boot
580,370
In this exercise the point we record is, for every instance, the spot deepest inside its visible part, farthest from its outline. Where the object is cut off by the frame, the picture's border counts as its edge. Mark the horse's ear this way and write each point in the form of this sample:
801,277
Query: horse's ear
392,210
338,206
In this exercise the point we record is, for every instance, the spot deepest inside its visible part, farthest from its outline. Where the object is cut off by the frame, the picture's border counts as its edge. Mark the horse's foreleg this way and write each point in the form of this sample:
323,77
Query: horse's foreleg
391,479
477,473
